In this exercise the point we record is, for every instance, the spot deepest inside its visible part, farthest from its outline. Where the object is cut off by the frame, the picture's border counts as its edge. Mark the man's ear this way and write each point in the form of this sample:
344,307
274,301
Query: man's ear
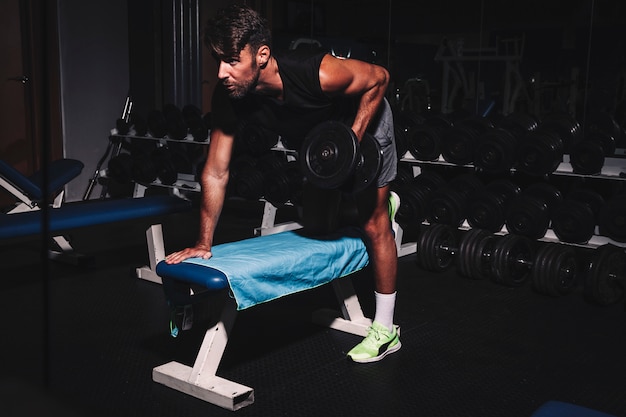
263,56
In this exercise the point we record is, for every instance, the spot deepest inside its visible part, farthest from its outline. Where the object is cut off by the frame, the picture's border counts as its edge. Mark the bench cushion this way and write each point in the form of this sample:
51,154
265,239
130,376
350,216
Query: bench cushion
60,172
264,268
89,213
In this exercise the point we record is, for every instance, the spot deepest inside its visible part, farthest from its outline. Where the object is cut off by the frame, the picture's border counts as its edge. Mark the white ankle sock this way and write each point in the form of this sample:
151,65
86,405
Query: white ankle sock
385,306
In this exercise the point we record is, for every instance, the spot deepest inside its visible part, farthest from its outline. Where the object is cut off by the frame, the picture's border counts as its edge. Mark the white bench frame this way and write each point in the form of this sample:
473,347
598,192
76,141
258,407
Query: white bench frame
200,380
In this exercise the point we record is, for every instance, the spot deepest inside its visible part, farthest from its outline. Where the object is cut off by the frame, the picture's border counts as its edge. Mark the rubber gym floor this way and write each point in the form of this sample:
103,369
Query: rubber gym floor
82,340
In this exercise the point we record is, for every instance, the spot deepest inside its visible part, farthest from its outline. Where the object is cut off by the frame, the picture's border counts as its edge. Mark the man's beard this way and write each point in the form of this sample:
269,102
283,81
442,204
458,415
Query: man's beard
241,89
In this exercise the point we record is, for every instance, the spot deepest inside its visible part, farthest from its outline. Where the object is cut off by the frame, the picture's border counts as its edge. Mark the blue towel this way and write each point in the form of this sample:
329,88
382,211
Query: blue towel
265,268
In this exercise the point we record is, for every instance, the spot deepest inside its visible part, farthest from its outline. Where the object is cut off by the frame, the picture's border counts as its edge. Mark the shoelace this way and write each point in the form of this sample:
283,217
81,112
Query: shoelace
373,336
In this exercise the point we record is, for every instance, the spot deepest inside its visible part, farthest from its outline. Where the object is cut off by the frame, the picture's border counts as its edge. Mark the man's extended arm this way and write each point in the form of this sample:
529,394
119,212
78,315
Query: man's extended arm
214,181
352,77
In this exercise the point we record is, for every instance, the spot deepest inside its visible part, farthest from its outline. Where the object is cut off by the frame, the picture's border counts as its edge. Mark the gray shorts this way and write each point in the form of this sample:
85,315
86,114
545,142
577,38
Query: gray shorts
382,129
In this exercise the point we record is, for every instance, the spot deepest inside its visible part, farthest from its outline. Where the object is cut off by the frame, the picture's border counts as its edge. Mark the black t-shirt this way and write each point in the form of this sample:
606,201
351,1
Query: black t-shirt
304,105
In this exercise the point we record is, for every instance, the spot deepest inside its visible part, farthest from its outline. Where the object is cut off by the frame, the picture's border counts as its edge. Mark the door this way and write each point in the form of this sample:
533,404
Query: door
29,113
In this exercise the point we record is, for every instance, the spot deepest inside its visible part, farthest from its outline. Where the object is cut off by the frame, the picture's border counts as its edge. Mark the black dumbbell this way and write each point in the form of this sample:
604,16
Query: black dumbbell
605,279
575,219
487,206
541,151
448,204
587,156
331,157
509,260
612,221
415,197
529,214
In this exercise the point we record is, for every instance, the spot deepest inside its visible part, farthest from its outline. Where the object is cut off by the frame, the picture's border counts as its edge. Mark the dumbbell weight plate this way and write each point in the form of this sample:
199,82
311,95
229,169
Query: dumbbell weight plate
481,256
435,247
424,143
485,211
573,222
495,151
329,154
612,221
511,260
555,270
458,145
587,157
466,256
601,281
120,168
368,165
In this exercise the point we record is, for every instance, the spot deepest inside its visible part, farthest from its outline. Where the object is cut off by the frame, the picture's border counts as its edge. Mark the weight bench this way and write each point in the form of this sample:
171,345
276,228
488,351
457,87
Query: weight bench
258,270
90,213
30,192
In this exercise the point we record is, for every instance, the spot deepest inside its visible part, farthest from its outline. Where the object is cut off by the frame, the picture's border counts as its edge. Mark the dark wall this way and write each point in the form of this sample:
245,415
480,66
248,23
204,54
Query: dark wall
93,48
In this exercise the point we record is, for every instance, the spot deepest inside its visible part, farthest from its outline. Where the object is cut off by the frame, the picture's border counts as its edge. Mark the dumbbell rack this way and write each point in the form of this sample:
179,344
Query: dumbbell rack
184,182
614,169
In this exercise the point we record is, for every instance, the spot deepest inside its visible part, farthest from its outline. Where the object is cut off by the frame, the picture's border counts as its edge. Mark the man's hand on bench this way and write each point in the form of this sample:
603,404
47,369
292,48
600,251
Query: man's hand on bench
198,251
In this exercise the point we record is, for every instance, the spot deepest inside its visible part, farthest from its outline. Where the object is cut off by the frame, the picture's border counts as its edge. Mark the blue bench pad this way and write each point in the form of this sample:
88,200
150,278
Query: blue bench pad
264,268
60,172
89,213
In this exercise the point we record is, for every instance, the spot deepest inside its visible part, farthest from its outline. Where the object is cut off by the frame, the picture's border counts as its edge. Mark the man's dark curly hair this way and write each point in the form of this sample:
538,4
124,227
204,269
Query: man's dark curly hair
233,28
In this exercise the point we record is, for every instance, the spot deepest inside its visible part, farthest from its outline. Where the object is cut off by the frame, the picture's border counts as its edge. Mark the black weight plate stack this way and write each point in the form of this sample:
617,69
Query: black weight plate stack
458,145
518,124
573,222
612,222
329,154
528,216
448,204
175,122
368,165
548,193
404,175
195,122
488,206
157,125
415,197
587,157
539,153
604,281
495,151
556,269
435,247
481,256
565,127
591,198
144,171
165,167
465,258
120,168
511,260
424,142
403,123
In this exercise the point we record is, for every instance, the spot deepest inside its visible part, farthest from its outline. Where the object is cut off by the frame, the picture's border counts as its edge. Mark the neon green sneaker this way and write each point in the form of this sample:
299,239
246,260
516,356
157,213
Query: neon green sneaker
378,343
393,205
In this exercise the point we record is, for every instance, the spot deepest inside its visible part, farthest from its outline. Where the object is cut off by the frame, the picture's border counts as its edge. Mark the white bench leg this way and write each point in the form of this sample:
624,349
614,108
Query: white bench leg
201,380
156,253
350,319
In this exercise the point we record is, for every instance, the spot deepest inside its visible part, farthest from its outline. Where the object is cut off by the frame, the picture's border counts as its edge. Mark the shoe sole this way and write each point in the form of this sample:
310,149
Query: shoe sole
392,349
